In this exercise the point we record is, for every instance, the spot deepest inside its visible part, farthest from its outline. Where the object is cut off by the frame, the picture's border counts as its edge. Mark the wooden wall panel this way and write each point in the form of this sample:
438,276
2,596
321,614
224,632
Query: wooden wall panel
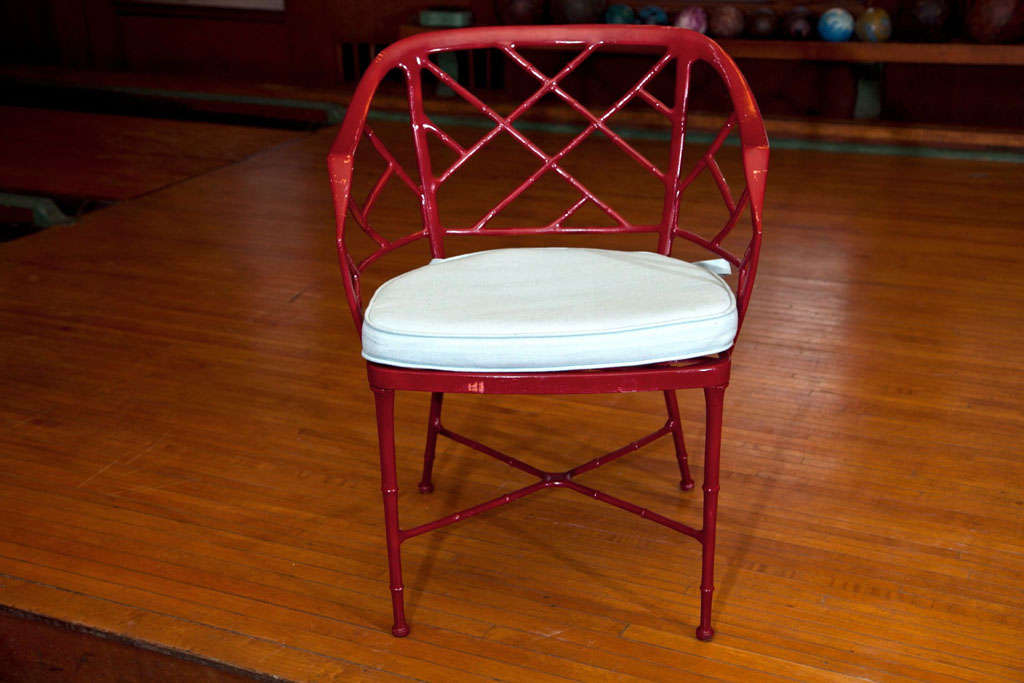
940,93
312,52
25,34
193,45
308,42
376,21
120,35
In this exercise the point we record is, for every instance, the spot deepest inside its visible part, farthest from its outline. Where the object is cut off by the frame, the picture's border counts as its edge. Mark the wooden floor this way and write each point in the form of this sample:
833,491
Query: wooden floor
108,157
187,449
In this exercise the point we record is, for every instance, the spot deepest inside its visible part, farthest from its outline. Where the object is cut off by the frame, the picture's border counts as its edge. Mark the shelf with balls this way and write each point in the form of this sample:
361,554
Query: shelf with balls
815,89
975,32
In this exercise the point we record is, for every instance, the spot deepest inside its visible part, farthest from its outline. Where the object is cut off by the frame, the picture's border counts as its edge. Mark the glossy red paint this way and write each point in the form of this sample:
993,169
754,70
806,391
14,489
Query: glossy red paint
680,47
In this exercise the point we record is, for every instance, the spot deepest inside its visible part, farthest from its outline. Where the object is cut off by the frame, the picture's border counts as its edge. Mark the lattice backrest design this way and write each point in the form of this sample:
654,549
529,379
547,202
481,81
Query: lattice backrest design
679,47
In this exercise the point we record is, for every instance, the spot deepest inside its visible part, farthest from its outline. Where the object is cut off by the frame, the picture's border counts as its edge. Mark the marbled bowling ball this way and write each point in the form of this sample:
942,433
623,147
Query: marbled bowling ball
835,25
693,18
725,21
873,25
577,11
798,24
652,14
995,21
620,14
761,23
923,20
521,11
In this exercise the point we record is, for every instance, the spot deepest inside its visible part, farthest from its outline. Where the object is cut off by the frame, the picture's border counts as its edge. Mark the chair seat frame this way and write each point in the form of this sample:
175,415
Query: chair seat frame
711,374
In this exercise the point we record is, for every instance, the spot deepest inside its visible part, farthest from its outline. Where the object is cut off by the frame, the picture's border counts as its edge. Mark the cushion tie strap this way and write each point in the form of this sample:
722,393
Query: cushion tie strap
718,266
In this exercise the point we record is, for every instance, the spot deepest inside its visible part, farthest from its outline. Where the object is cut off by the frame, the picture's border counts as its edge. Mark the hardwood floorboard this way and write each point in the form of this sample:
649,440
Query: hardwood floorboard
189,455
108,157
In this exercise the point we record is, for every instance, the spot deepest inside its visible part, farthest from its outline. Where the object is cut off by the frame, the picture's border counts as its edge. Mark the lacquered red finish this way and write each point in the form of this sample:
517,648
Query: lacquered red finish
679,49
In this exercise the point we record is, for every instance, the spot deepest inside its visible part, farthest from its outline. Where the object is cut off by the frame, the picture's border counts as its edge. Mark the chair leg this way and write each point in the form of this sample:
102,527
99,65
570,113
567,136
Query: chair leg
385,403
685,480
713,398
433,427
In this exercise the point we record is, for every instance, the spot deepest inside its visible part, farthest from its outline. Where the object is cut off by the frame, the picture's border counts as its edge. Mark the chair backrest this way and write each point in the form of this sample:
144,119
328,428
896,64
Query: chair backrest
412,56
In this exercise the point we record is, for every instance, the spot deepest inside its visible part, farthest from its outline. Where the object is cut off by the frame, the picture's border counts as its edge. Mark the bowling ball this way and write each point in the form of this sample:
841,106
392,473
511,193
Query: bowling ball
521,11
577,11
693,18
761,23
835,25
652,14
873,25
620,14
995,21
725,21
798,24
924,20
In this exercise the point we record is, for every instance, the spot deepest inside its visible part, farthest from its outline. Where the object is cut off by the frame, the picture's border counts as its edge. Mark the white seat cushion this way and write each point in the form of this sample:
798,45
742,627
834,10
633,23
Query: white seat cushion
548,309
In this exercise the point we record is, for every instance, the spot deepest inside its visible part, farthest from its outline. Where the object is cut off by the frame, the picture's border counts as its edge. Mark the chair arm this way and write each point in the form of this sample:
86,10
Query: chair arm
340,167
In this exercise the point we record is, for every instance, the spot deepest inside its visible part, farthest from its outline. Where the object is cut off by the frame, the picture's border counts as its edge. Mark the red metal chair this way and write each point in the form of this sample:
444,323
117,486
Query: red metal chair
707,371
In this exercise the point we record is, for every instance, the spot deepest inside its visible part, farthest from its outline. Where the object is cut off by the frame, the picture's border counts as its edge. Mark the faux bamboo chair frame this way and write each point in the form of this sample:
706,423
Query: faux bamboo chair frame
412,57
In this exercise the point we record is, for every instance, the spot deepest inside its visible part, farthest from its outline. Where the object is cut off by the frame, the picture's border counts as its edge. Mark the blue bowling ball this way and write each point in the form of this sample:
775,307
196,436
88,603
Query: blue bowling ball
652,14
620,14
836,25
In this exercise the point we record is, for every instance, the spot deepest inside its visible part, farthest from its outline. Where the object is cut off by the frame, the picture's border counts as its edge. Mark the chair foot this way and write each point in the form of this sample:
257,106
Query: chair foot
400,631
686,485
704,634
426,487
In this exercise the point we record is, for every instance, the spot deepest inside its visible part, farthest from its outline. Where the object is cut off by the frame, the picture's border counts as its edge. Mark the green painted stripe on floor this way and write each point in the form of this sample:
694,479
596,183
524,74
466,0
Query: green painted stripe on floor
1005,156
335,113
45,212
